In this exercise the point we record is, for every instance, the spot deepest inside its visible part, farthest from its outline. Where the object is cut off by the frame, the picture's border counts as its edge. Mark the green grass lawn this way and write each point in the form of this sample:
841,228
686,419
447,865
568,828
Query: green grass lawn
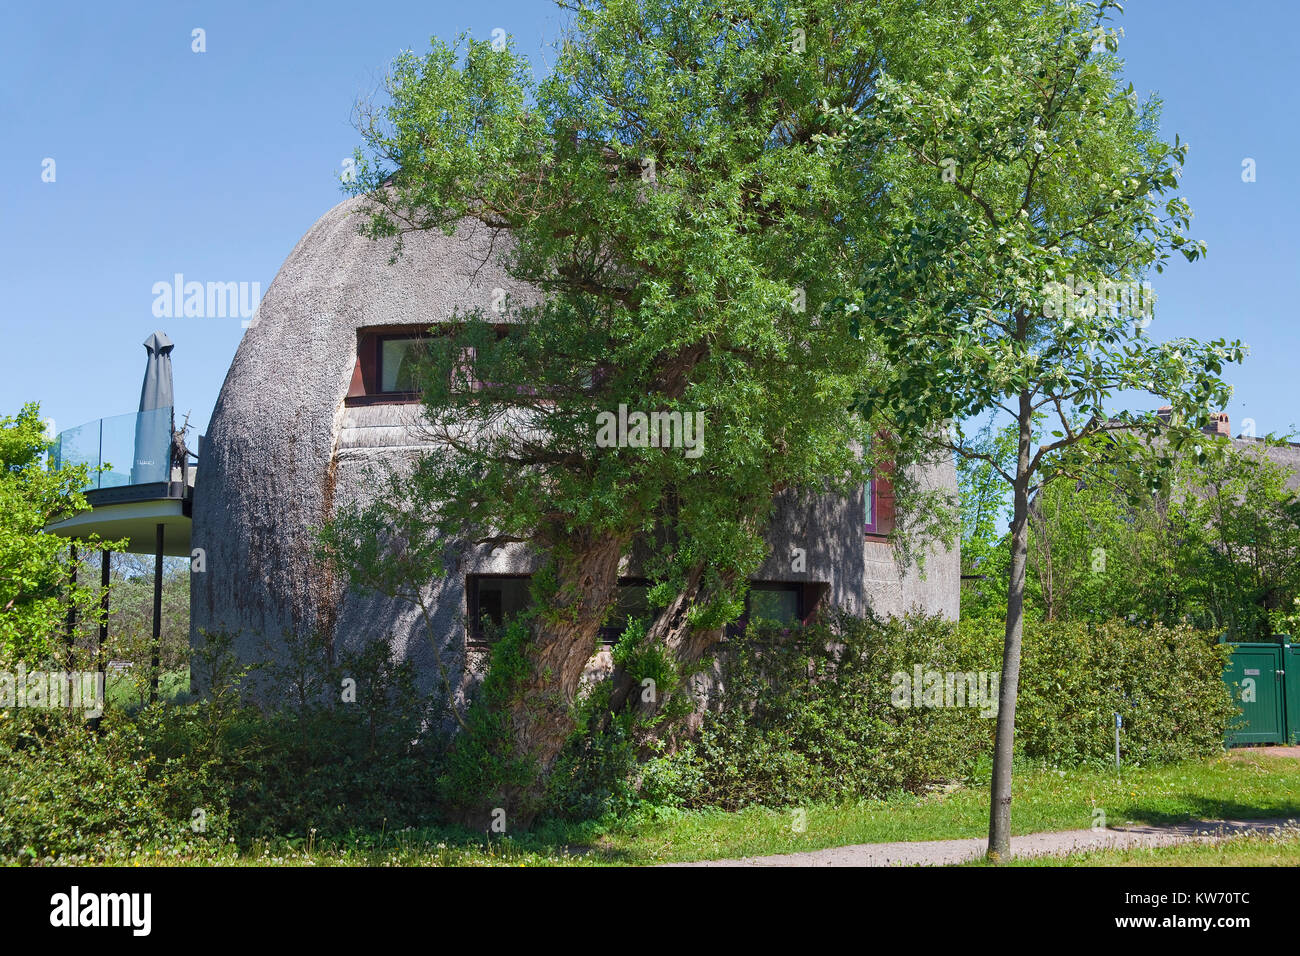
125,691
1240,784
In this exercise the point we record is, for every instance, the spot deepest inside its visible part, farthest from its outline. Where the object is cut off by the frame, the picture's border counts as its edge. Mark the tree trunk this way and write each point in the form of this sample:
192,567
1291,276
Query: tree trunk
685,643
669,628
540,708
1009,685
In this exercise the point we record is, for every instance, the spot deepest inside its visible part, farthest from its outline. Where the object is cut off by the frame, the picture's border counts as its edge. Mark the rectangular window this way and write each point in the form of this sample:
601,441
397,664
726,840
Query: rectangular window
632,602
494,599
879,518
398,357
385,368
774,605
386,371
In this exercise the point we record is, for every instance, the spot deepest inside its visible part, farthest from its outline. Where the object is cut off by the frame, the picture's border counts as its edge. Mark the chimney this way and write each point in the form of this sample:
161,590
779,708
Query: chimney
1219,425
1164,413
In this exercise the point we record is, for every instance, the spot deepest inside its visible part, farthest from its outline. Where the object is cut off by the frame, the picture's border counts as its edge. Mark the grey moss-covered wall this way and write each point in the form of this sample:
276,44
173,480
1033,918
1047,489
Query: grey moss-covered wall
284,449
935,588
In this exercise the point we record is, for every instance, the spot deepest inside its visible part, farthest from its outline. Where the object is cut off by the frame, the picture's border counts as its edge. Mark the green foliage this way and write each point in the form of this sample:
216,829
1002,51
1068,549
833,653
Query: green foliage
984,509
1031,194
595,775
1215,544
71,793
692,252
1227,545
484,763
1166,683
318,761
1026,166
809,716
194,775
37,585
812,717
615,750
130,624
692,242
1078,567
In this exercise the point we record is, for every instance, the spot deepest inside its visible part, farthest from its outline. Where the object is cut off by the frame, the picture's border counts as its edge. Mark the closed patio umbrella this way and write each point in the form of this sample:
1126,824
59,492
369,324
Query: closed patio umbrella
153,426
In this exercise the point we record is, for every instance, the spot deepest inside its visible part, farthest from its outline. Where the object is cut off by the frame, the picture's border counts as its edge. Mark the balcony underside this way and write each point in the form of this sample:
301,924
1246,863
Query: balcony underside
129,514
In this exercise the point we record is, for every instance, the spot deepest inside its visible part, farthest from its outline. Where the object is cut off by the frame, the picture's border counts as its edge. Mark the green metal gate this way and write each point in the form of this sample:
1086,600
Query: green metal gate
1291,691
1258,676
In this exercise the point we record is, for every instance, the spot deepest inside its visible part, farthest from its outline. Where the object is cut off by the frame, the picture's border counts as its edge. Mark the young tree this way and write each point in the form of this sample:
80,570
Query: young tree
38,579
1232,528
1030,196
666,190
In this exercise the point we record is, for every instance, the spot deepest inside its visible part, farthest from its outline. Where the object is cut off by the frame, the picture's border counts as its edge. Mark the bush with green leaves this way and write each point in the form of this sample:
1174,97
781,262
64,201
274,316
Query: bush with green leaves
317,757
1165,682
825,723
38,575
338,745
71,792
811,714
808,714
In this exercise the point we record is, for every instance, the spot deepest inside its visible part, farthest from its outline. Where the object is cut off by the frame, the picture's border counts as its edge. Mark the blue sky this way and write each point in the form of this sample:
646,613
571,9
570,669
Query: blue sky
214,164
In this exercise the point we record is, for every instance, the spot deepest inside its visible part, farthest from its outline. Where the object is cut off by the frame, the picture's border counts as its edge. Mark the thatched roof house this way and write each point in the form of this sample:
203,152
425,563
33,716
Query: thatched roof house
314,397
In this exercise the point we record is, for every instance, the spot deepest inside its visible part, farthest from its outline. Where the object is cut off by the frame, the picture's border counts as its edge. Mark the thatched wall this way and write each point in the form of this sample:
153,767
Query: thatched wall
284,449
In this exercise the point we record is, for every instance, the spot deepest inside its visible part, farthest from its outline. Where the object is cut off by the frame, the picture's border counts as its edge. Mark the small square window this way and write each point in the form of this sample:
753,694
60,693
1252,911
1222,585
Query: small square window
632,602
771,604
774,604
496,600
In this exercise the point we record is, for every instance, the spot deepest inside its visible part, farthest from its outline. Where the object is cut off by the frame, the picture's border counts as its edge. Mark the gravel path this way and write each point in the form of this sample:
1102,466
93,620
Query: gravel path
946,852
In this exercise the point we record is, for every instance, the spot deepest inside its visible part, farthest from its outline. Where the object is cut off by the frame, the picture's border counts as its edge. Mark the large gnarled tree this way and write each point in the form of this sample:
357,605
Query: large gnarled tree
667,189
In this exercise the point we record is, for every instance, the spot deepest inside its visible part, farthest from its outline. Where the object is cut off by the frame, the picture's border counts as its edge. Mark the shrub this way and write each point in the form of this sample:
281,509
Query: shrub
196,774
353,746
70,791
1166,683
810,715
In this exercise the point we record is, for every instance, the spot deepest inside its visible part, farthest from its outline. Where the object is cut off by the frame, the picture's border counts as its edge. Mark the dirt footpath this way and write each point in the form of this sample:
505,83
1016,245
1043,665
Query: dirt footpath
947,852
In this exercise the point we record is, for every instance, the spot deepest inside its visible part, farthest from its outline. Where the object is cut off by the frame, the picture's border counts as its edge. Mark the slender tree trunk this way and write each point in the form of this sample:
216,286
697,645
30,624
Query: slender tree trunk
1000,797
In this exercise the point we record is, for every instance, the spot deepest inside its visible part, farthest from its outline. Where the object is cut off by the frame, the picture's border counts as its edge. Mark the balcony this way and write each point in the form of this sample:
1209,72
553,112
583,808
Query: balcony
123,451
133,489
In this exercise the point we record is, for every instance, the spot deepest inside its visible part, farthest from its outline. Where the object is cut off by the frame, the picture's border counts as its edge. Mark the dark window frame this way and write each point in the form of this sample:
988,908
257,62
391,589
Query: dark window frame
610,633
802,608
474,636
368,370
367,374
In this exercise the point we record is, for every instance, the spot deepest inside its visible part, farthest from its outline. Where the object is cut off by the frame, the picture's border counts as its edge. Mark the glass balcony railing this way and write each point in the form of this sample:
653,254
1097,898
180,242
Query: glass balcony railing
135,449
